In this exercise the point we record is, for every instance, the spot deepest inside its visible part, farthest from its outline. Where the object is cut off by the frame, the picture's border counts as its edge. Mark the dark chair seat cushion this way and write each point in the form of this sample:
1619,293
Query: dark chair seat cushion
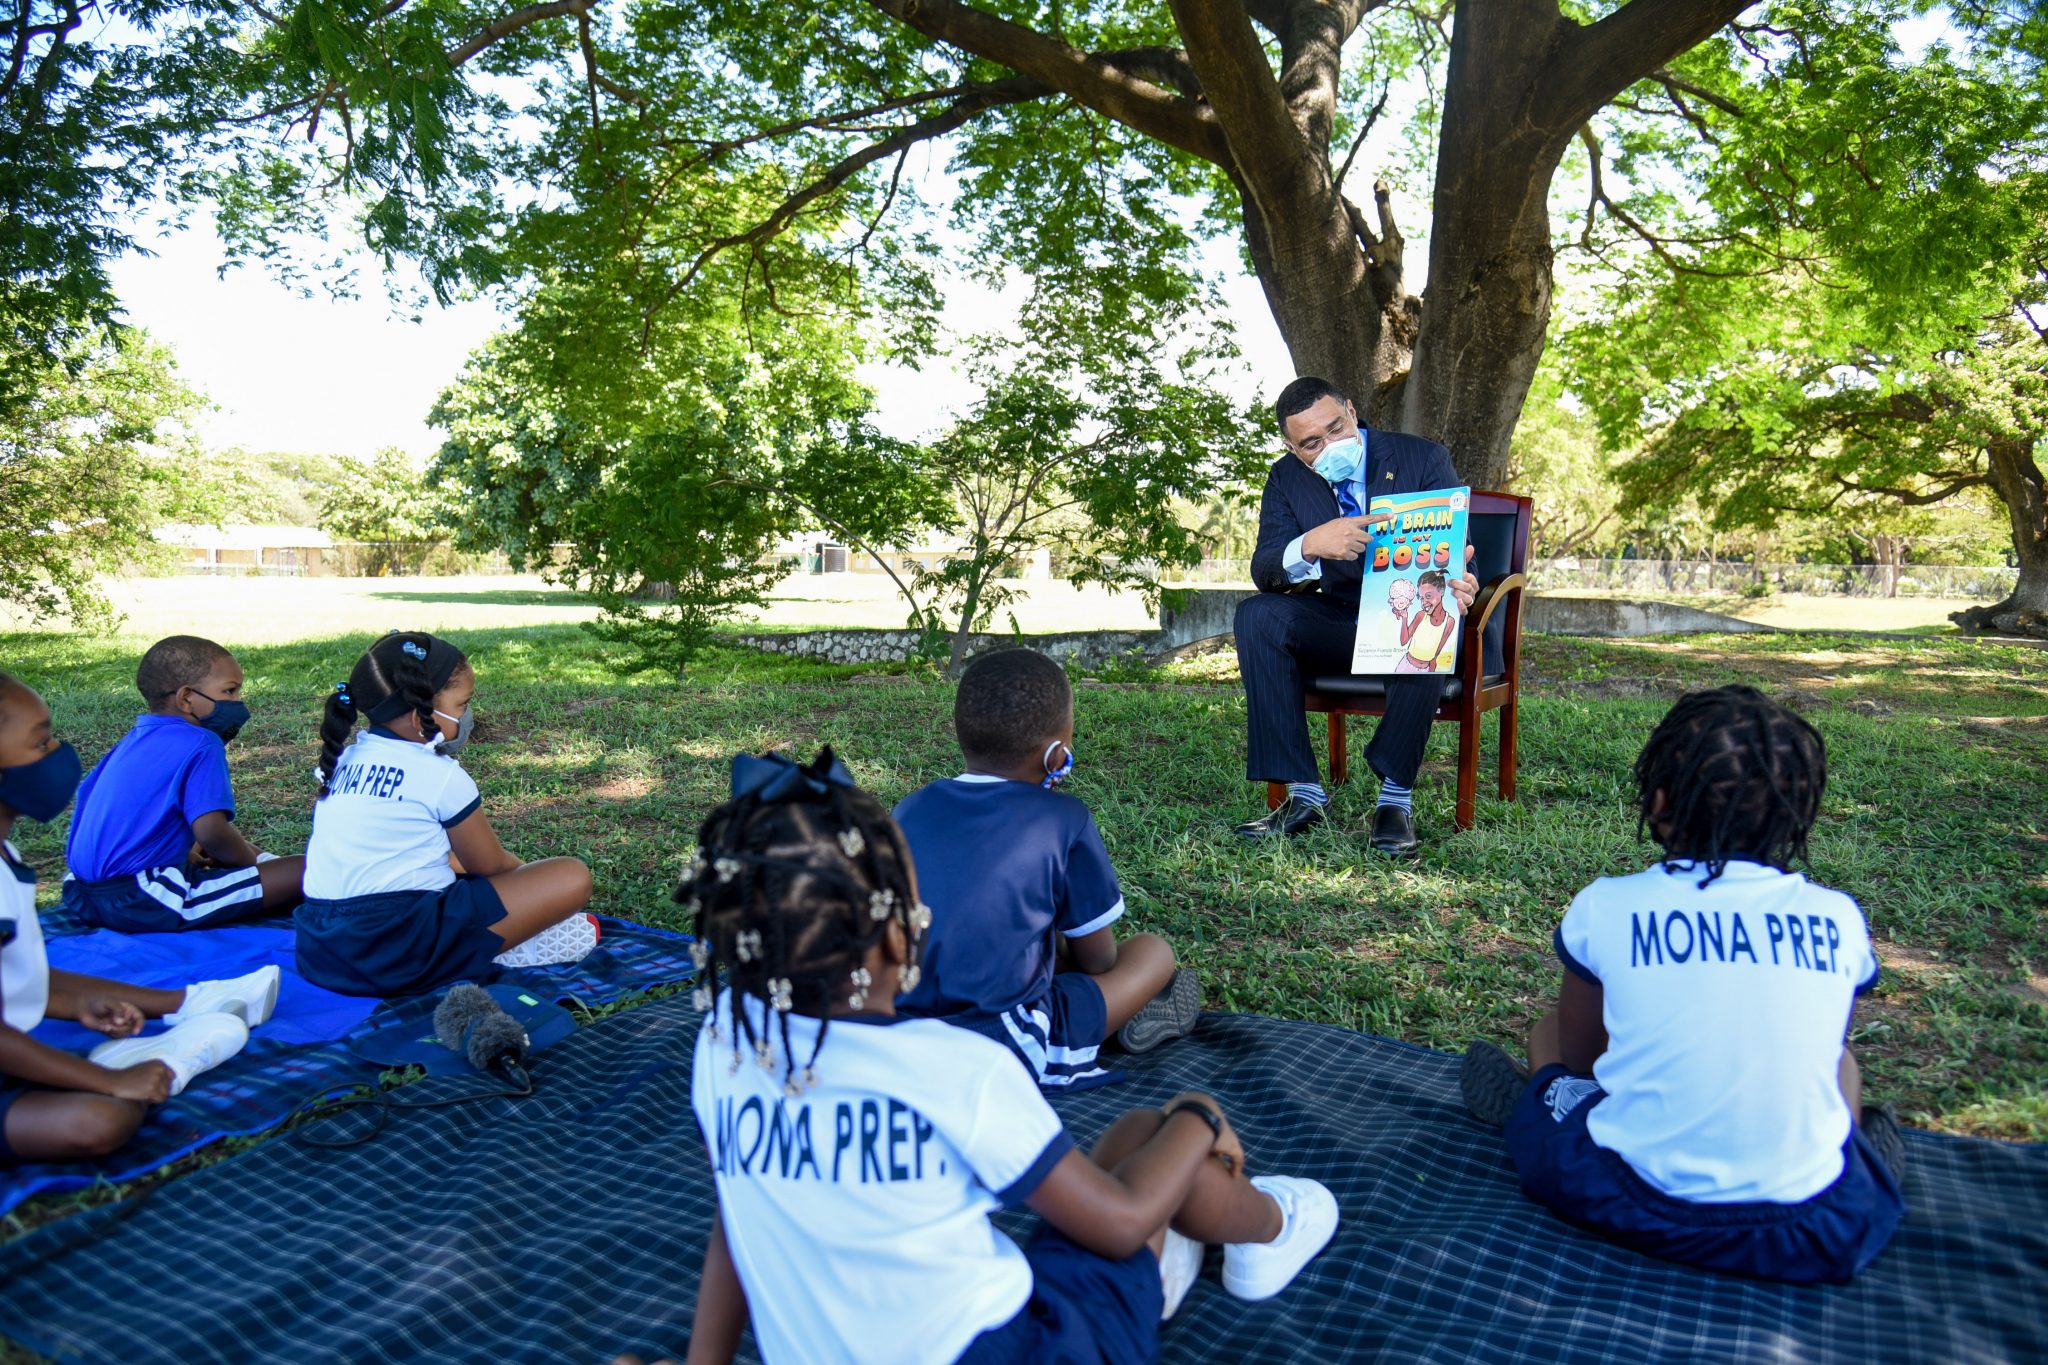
1351,687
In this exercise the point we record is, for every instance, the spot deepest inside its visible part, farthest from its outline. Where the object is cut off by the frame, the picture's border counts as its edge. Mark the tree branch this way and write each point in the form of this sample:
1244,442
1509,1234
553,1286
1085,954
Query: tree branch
1594,63
1090,80
937,125
1266,145
506,25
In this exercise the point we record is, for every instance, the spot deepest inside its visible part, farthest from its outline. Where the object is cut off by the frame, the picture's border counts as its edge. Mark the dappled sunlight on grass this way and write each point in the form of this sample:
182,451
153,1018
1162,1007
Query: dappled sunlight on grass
1933,821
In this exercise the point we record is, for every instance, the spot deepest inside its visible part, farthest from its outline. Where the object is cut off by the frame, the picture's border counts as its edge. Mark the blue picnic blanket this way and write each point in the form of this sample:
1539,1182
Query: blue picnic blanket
568,1226
302,1052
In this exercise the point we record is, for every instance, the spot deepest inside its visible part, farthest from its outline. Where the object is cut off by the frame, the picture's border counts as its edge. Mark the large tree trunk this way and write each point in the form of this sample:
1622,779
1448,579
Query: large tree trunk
2016,478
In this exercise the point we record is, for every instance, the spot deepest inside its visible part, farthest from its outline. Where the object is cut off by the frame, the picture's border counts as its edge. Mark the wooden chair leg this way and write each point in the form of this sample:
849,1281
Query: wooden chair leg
1468,770
1340,750
1508,728
1276,792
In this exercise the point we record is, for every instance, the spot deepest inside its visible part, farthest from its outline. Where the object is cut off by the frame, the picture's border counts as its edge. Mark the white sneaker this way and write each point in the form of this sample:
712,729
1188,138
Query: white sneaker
1308,1212
569,941
192,1048
1180,1265
249,998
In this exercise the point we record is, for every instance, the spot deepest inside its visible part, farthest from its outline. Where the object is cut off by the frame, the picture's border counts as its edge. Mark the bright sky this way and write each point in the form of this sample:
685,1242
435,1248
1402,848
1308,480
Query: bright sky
349,376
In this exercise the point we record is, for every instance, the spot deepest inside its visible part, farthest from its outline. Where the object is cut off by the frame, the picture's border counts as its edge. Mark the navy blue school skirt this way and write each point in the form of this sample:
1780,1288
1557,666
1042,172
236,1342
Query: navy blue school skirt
402,942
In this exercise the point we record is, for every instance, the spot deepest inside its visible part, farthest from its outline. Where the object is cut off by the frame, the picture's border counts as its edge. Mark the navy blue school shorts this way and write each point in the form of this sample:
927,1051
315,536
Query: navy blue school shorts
161,900
402,942
1824,1240
1083,1308
1057,1034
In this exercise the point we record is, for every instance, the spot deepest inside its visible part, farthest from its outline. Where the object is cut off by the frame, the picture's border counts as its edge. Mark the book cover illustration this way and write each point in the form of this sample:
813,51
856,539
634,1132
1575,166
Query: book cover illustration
1407,617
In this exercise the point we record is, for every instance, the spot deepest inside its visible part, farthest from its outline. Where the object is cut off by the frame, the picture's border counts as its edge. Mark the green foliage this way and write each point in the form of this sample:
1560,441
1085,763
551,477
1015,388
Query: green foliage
1849,317
93,459
1094,424
388,506
274,487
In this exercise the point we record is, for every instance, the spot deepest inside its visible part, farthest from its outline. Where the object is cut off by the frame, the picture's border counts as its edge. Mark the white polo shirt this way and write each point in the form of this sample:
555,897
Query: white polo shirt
383,825
1727,1007
24,967
858,1212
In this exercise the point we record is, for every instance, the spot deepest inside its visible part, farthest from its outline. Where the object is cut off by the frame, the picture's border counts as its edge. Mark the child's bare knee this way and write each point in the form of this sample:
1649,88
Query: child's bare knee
101,1128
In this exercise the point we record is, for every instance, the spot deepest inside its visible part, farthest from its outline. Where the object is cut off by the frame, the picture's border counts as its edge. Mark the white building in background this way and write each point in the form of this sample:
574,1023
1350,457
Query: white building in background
817,554
249,549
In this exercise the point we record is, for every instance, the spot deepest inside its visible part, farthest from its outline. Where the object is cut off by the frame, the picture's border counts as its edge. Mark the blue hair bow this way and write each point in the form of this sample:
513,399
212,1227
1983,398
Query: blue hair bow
778,777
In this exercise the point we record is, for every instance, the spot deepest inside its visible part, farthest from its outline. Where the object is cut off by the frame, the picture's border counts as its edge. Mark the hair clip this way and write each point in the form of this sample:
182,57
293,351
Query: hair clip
762,1055
727,868
414,648
746,944
780,994
921,917
911,976
881,904
700,954
701,998
853,841
791,1088
341,692
861,981
695,867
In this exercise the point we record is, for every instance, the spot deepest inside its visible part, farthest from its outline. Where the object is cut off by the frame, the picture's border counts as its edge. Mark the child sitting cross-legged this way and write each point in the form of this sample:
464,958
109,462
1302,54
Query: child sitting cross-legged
407,887
153,845
1693,1094
858,1153
56,1105
1024,900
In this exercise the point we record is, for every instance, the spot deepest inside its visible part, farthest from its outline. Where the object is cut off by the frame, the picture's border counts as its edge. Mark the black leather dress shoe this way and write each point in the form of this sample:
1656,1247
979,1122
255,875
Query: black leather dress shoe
1291,816
1393,832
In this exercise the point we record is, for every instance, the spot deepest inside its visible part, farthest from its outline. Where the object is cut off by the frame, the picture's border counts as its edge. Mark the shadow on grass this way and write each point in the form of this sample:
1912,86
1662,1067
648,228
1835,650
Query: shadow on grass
496,597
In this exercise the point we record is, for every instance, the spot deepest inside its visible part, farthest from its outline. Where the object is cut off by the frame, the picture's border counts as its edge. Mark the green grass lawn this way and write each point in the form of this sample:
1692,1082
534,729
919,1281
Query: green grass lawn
1934,818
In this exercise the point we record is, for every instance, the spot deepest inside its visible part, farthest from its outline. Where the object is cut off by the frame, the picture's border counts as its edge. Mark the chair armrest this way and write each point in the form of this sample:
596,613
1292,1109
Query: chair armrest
1471,651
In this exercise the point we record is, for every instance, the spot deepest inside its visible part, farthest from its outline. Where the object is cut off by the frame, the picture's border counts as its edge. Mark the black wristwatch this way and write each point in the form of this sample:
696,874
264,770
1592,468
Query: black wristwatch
1203,1111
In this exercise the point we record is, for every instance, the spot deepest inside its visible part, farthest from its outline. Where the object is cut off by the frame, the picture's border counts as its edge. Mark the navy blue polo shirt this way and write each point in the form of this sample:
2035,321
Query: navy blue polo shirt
136,807
1004,866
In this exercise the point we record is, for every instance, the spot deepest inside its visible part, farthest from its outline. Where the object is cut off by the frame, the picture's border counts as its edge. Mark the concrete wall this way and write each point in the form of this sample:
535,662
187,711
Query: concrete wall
1207,614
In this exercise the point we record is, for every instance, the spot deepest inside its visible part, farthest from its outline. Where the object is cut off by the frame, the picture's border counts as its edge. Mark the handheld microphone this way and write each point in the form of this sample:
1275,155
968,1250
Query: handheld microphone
468,1021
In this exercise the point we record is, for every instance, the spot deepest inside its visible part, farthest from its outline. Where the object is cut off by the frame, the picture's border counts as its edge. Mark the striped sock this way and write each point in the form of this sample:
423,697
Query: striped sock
1394,794
1311,792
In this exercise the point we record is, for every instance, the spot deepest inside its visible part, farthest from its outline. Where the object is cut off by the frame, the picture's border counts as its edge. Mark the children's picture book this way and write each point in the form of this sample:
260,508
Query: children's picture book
1407,617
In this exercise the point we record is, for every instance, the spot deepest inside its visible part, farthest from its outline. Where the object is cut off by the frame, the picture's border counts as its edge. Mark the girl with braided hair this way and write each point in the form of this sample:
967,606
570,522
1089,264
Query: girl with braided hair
855,1181
407,887
1693,1095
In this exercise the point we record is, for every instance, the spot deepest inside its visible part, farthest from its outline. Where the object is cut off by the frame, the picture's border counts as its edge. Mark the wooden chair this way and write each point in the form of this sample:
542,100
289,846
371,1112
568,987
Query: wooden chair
1498,529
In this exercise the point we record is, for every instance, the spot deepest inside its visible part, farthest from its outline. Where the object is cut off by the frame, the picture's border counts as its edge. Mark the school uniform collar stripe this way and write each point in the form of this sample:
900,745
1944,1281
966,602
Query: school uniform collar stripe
980,779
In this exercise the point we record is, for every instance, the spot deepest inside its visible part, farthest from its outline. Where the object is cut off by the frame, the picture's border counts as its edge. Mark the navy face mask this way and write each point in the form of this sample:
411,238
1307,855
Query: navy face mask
226,719
42,789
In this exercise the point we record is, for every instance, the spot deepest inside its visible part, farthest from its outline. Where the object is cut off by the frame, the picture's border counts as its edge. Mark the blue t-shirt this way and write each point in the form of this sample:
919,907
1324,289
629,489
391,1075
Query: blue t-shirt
136,807
1003,866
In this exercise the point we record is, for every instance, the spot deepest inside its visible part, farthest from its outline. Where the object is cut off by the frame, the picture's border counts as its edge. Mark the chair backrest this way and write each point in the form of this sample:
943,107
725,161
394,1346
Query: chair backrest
1498,528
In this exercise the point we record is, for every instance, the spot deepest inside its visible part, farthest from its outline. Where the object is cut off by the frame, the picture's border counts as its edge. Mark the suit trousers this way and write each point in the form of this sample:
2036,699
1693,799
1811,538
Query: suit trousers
1284,638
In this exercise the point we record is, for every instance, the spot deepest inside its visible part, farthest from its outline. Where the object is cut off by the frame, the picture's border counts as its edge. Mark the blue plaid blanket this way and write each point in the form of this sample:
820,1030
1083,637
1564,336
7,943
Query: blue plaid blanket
303,1052
568,1226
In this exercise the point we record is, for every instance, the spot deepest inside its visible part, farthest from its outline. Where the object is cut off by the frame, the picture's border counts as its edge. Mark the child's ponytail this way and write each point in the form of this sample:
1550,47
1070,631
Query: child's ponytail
399,673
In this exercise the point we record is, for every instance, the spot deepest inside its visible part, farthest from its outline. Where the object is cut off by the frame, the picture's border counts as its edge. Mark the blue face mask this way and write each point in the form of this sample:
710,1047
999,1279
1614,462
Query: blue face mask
1055,776
42,789
1340,460
226,719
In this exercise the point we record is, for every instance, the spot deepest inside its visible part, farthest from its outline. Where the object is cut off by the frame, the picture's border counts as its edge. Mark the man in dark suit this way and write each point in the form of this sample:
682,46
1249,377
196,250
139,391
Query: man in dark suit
1312,530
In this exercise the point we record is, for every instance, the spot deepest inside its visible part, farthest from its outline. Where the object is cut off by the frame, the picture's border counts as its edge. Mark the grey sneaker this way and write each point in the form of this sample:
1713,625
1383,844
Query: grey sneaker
1166,1016
1491,1082
1881,1125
